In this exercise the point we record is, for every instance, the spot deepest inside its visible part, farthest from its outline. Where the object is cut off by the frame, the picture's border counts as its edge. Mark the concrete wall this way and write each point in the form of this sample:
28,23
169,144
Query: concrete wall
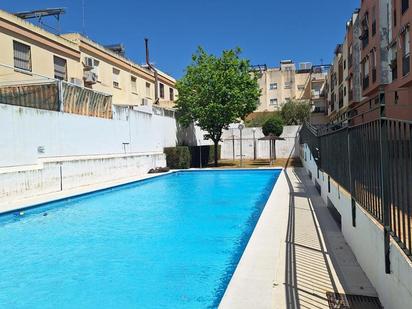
284,149
366,242
54,175
29,134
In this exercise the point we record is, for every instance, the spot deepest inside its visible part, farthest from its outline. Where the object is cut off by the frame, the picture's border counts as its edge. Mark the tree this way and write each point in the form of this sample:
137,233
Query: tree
215,92
295,112
273,125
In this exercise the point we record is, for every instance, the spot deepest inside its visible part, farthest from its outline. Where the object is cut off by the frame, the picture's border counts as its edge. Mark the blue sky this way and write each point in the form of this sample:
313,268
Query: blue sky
266,30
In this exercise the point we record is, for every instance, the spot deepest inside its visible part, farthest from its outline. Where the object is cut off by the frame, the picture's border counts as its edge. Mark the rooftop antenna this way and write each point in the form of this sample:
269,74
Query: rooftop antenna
39,14
83,18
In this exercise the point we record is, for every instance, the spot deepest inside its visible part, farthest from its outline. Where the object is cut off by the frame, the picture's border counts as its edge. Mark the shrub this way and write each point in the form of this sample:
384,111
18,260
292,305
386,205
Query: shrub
178,157
273,125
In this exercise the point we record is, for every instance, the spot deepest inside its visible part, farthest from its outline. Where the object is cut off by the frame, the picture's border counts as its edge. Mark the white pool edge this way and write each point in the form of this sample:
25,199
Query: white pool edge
258,279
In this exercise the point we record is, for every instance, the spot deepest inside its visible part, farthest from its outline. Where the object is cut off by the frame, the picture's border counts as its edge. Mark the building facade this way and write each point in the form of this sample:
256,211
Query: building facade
287,82
376,64
31,54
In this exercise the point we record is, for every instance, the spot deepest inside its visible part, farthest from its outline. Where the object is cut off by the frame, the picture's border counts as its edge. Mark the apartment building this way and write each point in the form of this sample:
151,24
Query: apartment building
398,93
353,51
278,85
31,54
375,58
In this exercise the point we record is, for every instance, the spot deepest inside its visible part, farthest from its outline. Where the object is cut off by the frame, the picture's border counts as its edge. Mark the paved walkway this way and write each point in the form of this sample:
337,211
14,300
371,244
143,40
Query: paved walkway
299,265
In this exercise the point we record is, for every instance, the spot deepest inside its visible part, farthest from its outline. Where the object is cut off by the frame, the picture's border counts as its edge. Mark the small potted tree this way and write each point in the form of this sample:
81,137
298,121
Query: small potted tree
272,129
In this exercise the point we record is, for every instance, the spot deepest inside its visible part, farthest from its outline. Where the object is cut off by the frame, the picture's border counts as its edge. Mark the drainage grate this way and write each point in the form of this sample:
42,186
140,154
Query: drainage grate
347,301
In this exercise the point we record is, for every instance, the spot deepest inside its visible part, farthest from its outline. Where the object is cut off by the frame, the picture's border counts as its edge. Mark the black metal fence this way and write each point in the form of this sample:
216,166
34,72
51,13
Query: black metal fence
372,161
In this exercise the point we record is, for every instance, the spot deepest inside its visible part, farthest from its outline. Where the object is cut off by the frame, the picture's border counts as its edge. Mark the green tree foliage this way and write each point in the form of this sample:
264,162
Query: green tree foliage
295,113
257,119
215,92
273,125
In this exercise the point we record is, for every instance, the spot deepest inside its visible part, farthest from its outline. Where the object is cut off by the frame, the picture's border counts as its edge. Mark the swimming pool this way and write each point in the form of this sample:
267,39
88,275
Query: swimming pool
172,241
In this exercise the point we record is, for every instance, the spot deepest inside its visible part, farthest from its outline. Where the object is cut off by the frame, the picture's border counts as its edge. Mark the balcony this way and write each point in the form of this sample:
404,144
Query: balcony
365,82
405,65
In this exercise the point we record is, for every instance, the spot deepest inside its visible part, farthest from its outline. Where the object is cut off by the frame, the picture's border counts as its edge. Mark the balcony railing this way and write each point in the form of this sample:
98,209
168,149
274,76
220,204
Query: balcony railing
406,65
365,83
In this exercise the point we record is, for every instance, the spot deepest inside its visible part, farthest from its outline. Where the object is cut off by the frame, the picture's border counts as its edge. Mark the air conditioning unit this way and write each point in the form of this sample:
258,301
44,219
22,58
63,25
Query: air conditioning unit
92,65
76,81
89,77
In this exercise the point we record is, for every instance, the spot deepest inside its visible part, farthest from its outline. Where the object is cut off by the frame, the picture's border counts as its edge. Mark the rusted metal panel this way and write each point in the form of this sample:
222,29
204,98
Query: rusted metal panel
83,101
41,96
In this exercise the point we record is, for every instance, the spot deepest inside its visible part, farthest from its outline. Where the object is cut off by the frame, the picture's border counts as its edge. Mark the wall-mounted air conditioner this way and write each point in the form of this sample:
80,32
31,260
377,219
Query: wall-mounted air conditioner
89,77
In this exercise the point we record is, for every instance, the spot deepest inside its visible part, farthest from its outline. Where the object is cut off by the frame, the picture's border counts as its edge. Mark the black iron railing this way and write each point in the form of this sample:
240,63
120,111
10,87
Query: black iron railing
372,161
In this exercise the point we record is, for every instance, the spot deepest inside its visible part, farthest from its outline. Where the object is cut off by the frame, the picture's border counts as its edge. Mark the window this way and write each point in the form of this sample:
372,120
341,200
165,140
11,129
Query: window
133,82
301,87
365,31
148,90
273,86
60,68
274,102
116,78
171,94
373,21
405,5
162,90
394,61
288,85
365,73
22,56
373,64
406,52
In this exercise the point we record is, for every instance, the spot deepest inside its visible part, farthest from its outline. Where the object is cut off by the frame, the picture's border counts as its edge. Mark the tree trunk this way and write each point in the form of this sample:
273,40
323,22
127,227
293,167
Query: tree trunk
216,152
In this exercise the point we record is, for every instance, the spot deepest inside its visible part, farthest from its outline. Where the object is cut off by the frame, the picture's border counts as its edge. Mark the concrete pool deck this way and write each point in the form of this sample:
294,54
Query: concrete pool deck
296,254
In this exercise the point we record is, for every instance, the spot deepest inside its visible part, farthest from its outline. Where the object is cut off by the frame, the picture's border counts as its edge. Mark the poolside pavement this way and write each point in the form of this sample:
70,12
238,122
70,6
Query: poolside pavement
296,254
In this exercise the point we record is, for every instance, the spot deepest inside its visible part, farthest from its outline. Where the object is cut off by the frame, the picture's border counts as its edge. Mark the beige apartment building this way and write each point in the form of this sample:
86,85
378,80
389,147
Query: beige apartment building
31,55
278,85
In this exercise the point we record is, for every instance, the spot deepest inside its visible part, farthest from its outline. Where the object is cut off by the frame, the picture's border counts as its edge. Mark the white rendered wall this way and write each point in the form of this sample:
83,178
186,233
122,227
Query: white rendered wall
24,130
366,242
284,149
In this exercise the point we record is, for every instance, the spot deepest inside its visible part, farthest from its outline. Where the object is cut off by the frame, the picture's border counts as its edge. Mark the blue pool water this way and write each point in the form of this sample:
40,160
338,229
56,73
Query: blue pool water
170,242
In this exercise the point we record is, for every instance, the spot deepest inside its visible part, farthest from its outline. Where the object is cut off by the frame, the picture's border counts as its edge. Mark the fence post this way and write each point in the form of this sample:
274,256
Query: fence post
383,137
351,182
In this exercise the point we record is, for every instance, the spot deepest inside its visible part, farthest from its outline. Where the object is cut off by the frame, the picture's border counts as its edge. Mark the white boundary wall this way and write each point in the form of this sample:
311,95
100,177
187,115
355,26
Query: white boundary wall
284,149
43,152
366,242
25,131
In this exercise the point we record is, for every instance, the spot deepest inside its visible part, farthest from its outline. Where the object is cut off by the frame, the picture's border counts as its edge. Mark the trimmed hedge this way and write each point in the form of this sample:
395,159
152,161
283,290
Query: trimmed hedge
178,157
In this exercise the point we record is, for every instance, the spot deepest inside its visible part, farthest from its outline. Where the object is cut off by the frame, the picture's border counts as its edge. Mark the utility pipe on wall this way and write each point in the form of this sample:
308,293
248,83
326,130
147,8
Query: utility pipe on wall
152,68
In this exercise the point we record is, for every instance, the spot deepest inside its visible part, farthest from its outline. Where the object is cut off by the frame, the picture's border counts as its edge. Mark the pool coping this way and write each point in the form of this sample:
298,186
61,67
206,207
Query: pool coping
258,277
